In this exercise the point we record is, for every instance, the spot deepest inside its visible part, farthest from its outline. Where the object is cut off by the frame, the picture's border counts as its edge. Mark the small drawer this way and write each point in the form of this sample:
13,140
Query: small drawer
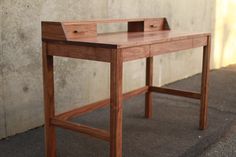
171,46
135,52
75,31
154,25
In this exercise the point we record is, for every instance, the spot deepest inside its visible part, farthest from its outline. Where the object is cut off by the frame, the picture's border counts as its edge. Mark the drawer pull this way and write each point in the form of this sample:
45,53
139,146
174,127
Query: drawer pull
153,26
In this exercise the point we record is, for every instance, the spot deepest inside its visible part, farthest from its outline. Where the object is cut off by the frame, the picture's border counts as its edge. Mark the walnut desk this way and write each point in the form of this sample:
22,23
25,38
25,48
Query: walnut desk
144,38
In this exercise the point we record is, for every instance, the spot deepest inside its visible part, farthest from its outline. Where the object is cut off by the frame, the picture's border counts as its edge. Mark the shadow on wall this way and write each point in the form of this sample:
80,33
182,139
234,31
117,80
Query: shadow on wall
225,33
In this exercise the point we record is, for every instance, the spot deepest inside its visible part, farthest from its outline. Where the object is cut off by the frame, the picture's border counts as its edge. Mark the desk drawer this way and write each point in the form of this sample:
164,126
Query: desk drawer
135,52
171,46
75,31
153,25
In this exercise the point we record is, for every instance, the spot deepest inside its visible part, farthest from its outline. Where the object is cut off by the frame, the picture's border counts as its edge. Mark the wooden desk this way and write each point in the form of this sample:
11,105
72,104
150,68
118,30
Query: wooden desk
145,38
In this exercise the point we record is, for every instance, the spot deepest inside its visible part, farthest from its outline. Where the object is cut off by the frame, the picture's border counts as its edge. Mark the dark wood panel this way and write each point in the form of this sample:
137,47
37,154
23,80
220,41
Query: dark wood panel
136,26
53,31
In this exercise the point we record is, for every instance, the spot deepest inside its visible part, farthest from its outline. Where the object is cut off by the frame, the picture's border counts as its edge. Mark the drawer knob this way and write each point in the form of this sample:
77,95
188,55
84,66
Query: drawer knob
75,31
153,26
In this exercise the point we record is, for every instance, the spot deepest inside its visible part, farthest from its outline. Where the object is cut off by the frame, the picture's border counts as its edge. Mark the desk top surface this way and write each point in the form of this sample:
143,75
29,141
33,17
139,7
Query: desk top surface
124,39
139,32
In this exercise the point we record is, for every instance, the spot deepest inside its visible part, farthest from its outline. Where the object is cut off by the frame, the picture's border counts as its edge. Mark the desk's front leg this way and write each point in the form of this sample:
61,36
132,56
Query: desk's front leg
204,86
49,108
116,104
149,80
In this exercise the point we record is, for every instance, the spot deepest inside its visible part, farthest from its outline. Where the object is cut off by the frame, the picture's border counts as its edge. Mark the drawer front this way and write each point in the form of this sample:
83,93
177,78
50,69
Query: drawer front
80,52
75,31
153,25
171,46
135,52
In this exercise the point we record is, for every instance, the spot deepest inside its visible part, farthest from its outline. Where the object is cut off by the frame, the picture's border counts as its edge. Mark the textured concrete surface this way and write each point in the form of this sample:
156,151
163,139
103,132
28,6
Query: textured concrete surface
172,132
2,110
79,82
225,147
224,99
225,33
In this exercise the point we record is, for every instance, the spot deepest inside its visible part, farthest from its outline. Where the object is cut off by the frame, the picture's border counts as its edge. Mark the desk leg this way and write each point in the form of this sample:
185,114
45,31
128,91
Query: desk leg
149,80
116,104
204,86
49,108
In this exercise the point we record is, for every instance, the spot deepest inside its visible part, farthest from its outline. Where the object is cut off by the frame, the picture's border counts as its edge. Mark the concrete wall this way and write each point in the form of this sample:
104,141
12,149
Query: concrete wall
225,33
2,113
78,81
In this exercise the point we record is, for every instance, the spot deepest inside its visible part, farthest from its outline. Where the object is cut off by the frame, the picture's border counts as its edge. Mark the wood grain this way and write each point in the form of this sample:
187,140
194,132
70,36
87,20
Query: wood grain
53,31
146,37
49,103
135,52
200,41
140,32
155,25
148,25
82,29
149,82
116,104
131,39
204,84
76,31
136,26
99,21
128,54
176,92
80,52
173,46
94,132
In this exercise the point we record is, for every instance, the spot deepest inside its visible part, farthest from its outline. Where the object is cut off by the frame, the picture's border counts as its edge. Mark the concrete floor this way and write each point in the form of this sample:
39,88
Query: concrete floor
172,132
226,146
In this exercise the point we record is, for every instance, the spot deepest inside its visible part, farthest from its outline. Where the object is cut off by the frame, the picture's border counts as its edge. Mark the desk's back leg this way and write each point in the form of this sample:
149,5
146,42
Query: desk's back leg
149,80
204,86
116,104
49,108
